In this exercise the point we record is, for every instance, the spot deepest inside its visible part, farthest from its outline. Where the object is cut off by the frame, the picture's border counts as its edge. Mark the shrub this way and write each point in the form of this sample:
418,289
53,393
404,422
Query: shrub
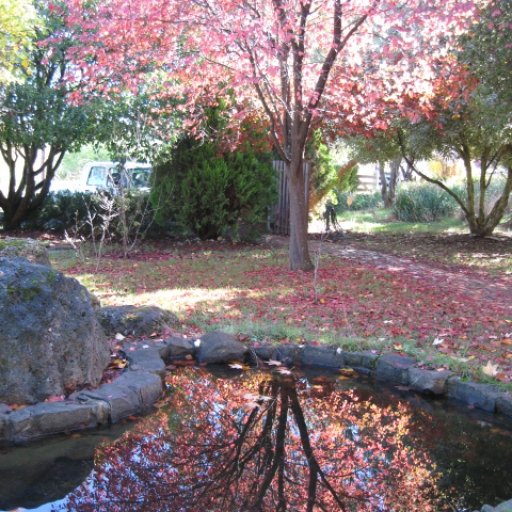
210,192
423,203
63,210
66,210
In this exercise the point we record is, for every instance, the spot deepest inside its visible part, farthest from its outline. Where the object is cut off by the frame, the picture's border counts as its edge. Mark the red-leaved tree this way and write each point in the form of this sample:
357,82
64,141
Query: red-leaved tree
298,64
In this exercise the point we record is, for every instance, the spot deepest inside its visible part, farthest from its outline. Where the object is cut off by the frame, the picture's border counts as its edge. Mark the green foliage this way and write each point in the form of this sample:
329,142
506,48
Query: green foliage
323,177
360,201
64,210
487,49
349,181
134,126
423,203
17,21
211,192
203,200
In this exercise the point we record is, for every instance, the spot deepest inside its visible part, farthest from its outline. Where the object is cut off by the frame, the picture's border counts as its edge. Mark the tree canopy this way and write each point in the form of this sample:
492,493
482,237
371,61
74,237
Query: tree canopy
296,64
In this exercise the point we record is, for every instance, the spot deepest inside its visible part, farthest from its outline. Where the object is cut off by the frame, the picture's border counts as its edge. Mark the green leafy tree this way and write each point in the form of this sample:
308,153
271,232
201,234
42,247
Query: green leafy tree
135,126
38,125
478,133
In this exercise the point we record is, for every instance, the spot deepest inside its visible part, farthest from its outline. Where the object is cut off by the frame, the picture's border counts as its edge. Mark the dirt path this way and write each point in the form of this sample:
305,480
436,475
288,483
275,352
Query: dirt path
497,290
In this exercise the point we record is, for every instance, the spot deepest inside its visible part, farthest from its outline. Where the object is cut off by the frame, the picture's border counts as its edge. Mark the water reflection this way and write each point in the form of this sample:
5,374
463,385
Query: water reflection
277,443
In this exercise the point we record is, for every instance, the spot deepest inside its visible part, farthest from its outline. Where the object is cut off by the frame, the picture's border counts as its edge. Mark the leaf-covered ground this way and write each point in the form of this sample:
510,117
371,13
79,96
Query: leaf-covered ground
425,295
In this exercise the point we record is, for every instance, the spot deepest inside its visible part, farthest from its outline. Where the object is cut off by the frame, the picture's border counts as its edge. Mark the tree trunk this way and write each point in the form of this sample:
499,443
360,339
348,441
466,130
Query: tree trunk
383,182
388,188
299,250
484,225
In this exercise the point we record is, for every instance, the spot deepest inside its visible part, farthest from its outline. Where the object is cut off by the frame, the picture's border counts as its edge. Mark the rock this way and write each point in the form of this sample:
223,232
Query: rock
219,347
134,392
504,404
4,428
428,381
326,357
146,359
363,359
46,419
51,340
135,321
31,250
264,352
506,506
394,368
288,354
481,396
177,349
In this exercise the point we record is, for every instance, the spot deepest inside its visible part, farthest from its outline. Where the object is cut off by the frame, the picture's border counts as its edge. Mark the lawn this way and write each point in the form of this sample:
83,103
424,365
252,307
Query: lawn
448,314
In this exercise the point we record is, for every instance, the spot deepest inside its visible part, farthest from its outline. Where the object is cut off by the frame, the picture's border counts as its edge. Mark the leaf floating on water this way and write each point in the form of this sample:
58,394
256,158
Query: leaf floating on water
239,366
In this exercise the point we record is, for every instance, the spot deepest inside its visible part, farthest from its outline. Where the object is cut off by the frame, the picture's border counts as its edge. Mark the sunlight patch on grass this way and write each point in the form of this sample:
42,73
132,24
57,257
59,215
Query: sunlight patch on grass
181,299
381,221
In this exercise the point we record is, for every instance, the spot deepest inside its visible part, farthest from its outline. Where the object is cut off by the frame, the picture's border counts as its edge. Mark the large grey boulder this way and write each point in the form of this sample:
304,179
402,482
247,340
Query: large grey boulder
32,250
51,342
134,320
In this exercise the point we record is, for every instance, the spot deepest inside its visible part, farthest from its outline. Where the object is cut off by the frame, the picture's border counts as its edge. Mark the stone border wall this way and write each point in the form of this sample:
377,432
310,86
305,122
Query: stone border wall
139,386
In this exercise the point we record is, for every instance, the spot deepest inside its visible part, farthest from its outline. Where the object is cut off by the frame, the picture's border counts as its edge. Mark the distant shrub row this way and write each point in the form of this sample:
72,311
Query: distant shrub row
423,203
420,202
82,212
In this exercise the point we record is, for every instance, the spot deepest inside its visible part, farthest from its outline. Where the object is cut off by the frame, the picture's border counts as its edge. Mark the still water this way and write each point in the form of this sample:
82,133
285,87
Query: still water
259,441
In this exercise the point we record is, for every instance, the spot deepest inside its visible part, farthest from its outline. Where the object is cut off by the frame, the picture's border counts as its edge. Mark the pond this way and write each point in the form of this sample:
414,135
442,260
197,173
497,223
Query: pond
271,441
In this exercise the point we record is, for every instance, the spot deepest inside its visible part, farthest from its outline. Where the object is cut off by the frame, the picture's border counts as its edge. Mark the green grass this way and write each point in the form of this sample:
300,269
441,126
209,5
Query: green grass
249,290
381,221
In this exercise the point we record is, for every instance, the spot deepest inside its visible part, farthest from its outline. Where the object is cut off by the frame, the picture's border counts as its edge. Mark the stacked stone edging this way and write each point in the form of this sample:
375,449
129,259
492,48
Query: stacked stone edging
397,369
134,392
141,384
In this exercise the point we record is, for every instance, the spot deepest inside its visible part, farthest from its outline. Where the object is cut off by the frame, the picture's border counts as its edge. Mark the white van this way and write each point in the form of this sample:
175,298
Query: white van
111,176
108,176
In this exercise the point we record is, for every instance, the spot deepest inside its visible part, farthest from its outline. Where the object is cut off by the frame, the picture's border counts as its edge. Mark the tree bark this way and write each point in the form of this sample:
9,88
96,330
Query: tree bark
298,251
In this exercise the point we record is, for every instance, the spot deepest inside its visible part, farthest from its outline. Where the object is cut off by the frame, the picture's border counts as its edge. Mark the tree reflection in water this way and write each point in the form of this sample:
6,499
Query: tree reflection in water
262,443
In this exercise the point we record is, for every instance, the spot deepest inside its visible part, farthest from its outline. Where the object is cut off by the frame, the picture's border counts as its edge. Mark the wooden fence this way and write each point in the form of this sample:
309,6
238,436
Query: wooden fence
279,221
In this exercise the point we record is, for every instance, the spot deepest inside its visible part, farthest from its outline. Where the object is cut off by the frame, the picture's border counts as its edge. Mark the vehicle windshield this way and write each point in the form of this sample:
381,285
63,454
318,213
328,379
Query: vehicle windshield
139,177
110,177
